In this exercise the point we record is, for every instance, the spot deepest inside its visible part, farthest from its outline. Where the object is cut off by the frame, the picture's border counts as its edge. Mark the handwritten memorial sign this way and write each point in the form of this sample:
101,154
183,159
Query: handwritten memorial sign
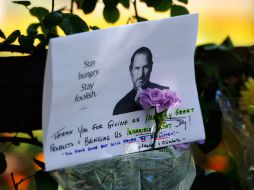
92,81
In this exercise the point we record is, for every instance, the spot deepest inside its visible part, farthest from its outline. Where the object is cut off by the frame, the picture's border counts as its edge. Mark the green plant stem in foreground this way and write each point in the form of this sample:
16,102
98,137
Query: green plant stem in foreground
158,118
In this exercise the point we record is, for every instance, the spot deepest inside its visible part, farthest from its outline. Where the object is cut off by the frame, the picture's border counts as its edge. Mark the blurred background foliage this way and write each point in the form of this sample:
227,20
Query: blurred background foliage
23,49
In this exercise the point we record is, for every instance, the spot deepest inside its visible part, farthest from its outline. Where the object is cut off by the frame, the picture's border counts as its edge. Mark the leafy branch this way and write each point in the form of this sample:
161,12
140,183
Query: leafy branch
16,184
16,140
19,49
42,179
136,10
71,23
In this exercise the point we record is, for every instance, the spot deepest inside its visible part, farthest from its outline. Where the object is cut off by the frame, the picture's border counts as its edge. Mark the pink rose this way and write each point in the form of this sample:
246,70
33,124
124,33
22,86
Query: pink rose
159,99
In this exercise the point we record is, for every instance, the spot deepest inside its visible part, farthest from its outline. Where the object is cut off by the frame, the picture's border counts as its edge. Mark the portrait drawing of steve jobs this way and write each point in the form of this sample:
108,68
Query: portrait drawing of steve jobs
140,69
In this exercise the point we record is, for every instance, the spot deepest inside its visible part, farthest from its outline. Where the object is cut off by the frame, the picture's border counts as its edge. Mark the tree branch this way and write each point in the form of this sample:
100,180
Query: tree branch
22,180
17,140
53,6
136,10
13,181
13,48
72,3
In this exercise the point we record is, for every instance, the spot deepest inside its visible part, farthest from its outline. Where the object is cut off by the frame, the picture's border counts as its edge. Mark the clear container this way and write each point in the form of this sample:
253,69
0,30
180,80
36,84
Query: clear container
162,169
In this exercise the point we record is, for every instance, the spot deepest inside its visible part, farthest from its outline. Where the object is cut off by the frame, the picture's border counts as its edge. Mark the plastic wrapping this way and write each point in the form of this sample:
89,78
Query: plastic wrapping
238,134
157,169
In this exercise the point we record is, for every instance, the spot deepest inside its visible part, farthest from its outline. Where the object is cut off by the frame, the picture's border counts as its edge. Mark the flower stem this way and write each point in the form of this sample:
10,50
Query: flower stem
158,118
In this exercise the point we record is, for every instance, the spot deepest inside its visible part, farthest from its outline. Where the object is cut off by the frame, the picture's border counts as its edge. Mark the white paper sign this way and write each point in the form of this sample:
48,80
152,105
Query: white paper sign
90,108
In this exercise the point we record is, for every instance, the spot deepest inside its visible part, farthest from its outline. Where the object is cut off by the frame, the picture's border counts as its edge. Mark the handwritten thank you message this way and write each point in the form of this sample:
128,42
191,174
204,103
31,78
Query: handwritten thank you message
91,107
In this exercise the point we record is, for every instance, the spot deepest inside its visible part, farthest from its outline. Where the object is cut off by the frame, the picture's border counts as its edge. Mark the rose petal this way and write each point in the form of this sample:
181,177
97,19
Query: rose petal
156,96
145,101
159,99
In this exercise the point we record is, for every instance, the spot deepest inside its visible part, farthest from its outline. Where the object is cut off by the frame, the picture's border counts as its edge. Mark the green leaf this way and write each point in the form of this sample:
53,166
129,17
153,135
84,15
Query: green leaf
26,42
210,70
228,43
39,163
39,12
94,27
12,37
125,3
88,6
41,37
224,48
78,3
111,15
72,24
52,20
41,47
110,3
152,3
177,10
141,19
163,6
183,1
2,34
250,109
44,181
32,28
3,164
210,47
25,3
